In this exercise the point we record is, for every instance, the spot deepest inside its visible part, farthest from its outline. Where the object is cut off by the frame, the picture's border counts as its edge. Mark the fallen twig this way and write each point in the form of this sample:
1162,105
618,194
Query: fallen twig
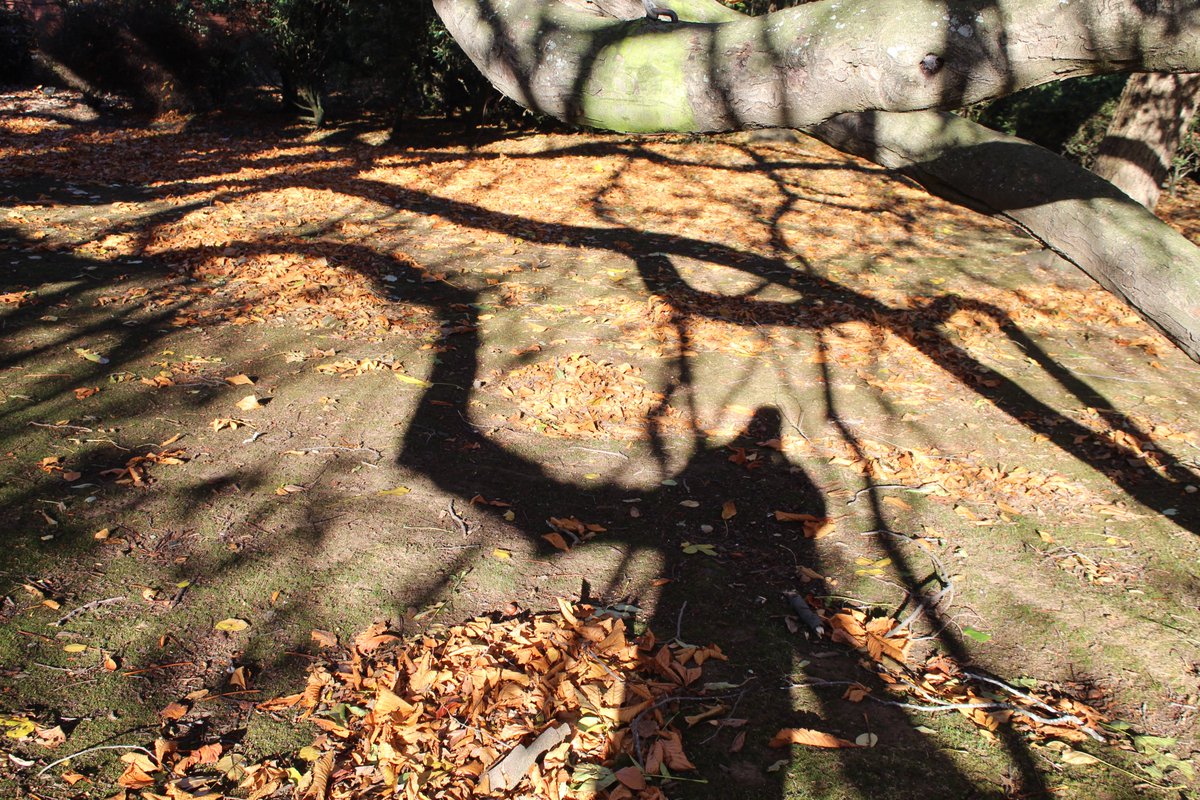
61,426
463,526
86,607
94,749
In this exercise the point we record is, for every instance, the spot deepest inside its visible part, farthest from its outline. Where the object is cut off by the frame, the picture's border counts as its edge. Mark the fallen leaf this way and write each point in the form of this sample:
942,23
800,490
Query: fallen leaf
174,711
728,510
231,625
806,736
557,541
1077,758
325,638
631,777
977,635
249,403
90,355
240,380
400,376
398,491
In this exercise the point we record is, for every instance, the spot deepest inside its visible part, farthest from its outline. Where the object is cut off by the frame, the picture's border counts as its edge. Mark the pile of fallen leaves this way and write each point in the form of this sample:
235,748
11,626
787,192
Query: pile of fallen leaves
538,705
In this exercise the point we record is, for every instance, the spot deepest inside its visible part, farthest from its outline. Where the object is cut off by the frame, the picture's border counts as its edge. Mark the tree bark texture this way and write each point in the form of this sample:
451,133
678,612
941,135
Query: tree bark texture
717,70
1152,117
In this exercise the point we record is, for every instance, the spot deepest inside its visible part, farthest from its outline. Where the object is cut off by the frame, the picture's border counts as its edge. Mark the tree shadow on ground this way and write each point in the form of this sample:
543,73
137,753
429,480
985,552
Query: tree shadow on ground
733,599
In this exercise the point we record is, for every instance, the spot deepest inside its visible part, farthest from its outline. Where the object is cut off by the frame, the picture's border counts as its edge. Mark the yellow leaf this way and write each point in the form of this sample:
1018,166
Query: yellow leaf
240,380
231,625
17,727
101,534
75,648
398,491
1077,758
248,403
502,554
400,376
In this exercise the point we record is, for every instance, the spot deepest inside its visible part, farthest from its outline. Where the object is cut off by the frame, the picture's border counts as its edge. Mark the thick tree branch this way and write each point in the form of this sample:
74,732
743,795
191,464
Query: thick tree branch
717,70
1082,217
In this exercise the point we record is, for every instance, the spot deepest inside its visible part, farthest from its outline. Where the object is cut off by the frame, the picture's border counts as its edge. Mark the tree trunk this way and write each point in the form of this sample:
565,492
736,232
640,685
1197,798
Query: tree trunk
1137,150
717,70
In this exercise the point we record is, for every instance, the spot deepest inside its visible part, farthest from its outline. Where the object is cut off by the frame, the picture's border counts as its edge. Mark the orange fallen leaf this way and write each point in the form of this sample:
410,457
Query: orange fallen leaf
728,510
809,737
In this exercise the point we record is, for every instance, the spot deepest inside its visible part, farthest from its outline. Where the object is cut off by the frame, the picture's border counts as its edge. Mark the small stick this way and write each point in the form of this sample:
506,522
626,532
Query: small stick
227,694
94,749
157,667
86,607
462,524
79,428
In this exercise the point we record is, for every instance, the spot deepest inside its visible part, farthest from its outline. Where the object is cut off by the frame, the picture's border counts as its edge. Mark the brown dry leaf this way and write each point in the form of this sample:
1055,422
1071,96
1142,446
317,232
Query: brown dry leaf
374,636
248,403
321,771
240,380
808,737
84,392
897,503
134,777
631,777
814,527
557,541
325,638
239,678
174,711
728,510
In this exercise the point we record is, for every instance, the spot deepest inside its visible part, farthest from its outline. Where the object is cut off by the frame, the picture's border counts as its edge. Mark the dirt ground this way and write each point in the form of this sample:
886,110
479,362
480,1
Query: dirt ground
317,381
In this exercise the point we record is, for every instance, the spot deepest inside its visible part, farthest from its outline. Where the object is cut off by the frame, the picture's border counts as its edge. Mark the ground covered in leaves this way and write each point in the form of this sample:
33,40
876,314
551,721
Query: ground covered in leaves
559,465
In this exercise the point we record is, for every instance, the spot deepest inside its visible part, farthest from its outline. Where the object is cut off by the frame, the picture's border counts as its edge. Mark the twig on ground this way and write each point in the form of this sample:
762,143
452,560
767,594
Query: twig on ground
920,488
86,607
53,764
597,450
463,526
61,426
